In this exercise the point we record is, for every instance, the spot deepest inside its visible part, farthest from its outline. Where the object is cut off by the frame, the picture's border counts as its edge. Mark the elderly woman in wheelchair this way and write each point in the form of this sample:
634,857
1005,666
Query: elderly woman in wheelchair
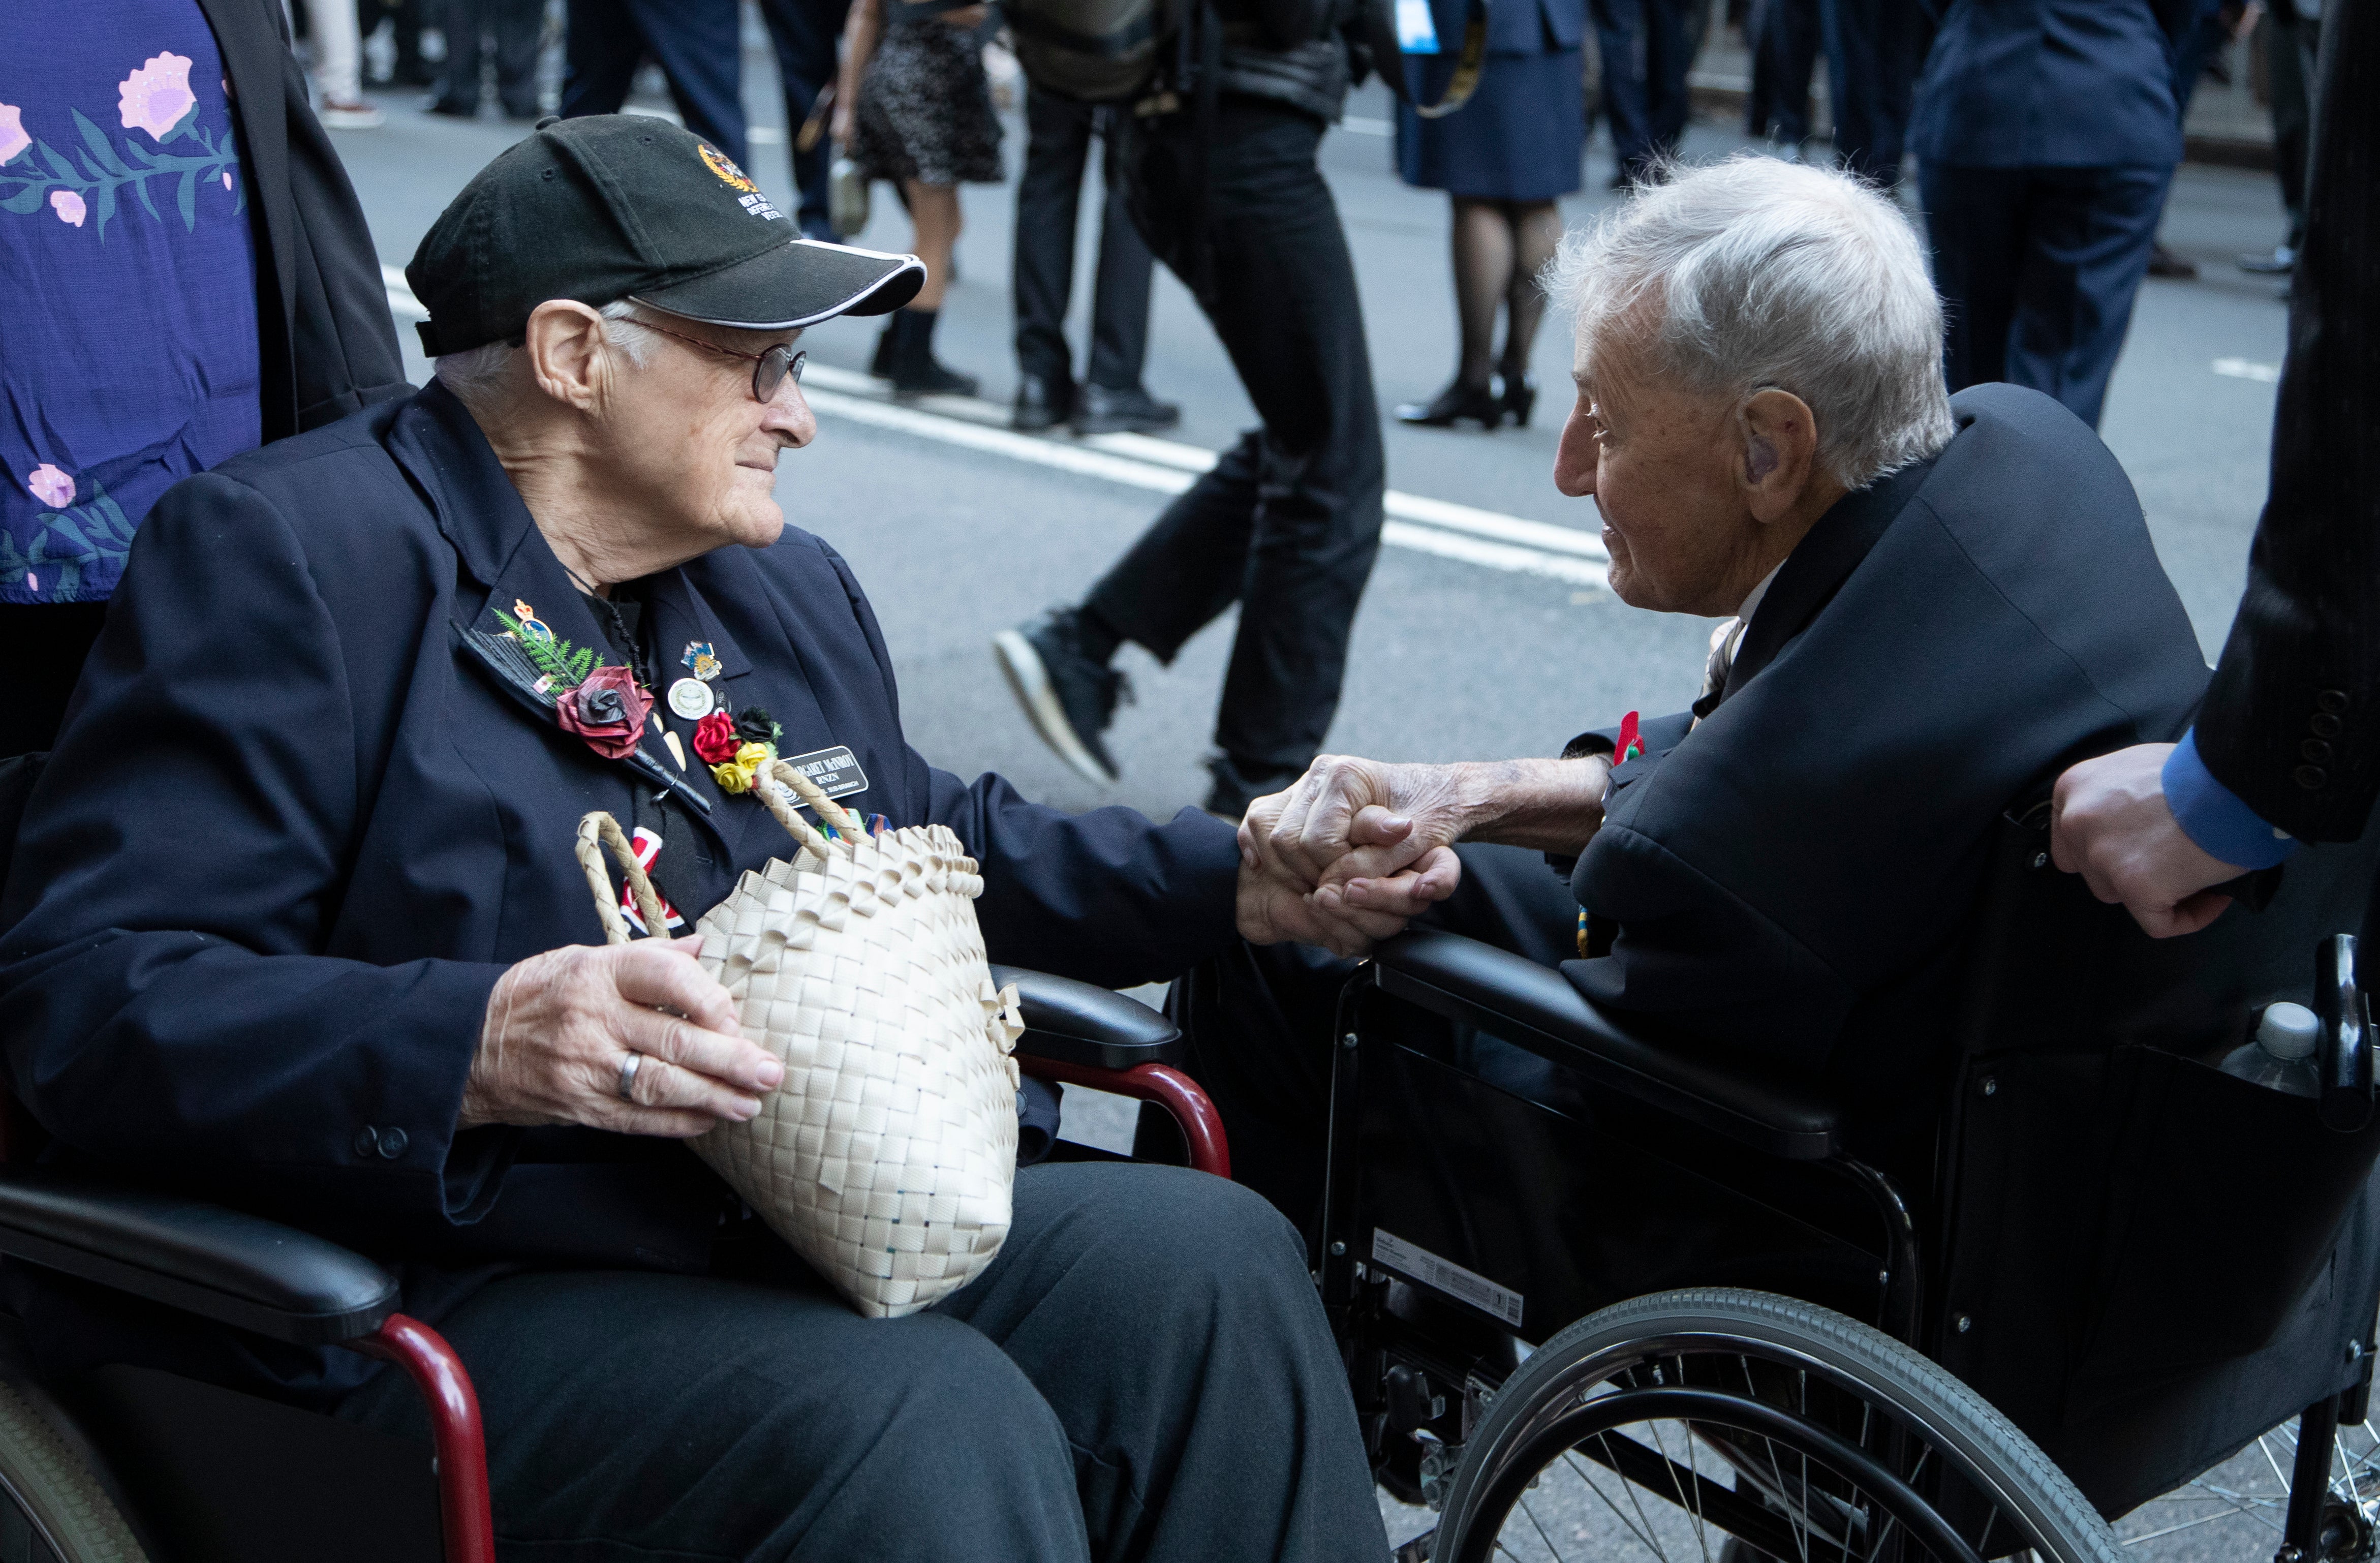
1779,993
293,926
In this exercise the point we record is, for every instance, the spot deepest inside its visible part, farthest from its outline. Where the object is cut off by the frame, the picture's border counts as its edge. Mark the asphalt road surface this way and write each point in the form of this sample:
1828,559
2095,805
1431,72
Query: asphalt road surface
1486,631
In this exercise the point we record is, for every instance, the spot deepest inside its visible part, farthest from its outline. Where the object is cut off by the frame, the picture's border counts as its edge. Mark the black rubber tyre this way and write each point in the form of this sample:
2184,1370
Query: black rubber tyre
1753,1384
51,1509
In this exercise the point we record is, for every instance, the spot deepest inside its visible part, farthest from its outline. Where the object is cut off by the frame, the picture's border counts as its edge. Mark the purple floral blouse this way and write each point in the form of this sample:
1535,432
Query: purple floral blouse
127,282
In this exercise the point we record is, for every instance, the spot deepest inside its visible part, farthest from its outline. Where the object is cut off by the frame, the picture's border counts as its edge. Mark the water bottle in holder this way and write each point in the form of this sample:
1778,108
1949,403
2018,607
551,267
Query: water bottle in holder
2281,1056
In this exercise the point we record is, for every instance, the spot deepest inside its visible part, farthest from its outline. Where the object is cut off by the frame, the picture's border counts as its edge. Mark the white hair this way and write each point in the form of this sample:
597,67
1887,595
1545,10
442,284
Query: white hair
1753,273
476,373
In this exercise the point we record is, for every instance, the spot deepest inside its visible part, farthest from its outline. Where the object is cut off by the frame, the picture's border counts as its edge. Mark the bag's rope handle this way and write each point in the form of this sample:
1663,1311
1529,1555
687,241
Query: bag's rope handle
598,830
846,824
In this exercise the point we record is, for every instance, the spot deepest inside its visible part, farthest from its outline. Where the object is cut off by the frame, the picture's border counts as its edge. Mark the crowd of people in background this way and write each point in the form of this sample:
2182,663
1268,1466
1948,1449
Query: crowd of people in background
2043,136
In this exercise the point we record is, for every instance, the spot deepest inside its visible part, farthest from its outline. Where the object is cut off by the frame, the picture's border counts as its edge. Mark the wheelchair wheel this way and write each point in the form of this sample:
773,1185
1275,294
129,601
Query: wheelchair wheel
51,1509
1741,1424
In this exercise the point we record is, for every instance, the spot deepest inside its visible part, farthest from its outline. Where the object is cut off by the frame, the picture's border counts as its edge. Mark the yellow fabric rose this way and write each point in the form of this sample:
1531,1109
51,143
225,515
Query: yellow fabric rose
732,778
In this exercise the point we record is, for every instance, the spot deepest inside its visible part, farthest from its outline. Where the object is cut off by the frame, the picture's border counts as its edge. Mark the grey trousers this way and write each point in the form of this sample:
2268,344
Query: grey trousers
1143,1373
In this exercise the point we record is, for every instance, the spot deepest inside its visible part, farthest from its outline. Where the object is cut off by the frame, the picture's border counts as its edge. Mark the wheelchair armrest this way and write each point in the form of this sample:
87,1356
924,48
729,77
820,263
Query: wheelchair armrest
1747,1099
1084,1023
201,1258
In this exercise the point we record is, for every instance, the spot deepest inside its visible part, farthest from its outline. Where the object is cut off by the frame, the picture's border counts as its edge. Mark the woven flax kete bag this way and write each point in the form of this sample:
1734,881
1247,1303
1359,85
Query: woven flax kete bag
887,1156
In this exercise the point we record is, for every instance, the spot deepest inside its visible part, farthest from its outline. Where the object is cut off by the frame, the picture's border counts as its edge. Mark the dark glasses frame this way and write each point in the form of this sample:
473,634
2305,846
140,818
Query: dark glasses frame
769,369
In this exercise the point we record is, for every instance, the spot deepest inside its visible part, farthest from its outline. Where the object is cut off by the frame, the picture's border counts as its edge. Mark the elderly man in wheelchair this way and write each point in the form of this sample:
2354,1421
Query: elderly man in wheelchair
1779,993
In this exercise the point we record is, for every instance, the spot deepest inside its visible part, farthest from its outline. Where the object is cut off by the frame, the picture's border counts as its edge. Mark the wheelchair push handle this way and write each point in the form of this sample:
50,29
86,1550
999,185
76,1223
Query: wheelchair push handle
2344,1056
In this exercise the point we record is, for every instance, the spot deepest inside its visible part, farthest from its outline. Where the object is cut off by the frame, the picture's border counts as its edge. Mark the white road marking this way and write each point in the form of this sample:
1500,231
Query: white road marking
1415,521
2247,369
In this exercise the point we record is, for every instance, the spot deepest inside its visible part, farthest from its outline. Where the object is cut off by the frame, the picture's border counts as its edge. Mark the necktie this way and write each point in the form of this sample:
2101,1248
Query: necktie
1725,642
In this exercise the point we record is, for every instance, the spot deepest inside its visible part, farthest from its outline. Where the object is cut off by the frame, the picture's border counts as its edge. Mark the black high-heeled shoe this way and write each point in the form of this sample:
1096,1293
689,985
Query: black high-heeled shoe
1520,398
1478,403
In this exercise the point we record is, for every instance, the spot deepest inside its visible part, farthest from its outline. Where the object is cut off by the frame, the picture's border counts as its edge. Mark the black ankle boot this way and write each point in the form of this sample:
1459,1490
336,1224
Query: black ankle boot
912,367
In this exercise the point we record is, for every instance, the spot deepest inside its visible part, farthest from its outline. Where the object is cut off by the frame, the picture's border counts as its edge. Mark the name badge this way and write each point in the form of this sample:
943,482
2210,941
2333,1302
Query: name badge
834,771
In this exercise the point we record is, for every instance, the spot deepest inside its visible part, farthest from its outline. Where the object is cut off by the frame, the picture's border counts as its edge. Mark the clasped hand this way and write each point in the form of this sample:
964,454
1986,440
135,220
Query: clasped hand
1349,854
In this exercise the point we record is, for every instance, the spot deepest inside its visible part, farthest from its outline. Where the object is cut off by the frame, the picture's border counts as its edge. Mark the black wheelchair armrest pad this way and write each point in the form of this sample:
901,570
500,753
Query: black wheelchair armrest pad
201,1258
1728,1091
1084,1023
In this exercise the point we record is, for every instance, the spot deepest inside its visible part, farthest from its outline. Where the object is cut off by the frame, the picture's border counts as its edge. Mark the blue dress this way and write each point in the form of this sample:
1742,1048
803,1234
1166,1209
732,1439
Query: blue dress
1522,135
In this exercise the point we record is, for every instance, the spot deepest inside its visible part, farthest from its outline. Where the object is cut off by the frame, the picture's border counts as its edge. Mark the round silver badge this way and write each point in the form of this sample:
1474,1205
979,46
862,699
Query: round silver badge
691,699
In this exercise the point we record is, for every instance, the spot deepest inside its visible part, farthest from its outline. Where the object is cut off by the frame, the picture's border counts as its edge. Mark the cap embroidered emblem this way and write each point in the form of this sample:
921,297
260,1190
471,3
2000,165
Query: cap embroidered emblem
747,194
718,162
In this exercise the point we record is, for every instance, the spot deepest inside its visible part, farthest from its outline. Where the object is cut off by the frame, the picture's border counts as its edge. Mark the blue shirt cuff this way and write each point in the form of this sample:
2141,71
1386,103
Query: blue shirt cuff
2212,814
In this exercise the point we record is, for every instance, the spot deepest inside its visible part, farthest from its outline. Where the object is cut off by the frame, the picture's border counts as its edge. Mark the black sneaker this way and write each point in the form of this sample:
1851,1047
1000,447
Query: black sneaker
1235,787
1101,411
1070,695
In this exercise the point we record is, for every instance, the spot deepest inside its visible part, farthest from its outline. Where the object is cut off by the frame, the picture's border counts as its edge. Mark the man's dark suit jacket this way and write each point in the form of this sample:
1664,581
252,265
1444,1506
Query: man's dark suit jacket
293,834
327,346
2292,723
1792,874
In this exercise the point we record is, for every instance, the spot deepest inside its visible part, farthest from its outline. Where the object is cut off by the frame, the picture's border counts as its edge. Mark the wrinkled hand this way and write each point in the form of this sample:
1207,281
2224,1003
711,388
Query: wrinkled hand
1339,859
1349,820
559,1025
2109,823
1273,908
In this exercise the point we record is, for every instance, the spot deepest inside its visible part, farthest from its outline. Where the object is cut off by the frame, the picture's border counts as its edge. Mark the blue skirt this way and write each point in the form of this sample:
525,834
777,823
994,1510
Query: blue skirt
1521,137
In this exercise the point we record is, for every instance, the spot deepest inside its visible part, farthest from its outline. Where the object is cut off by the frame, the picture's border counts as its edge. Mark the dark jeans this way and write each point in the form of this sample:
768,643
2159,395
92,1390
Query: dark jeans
1287,524
51,639
1143,1373
1260,1021
805,33
1048,196
512,27
2038,268
1784,36
1644,49
697,44
1872,51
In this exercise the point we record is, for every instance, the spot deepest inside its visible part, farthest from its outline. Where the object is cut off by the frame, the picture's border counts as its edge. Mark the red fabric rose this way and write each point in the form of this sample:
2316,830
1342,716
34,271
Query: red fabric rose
608,709
715,739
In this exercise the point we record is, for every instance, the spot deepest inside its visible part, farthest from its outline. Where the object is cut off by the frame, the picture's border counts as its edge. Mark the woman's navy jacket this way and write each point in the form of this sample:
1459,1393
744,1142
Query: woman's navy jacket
294,831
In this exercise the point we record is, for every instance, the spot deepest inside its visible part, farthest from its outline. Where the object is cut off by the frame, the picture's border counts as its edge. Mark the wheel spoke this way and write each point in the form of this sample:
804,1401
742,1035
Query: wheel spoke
1626,1485
1532,1516
1588,1477
1693,1507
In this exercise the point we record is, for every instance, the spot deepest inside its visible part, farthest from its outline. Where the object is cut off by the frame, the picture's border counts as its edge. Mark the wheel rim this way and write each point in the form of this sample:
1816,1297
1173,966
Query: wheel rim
1670,1448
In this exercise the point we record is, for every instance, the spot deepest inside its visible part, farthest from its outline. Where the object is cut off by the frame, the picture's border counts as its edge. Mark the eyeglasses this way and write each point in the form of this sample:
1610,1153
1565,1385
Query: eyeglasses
770,369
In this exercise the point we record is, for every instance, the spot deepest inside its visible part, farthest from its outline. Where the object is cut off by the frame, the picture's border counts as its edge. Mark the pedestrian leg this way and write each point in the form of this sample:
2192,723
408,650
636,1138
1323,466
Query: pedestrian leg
600,56
520,28
700,46
1188,568
1619,46
1536,233
1119,299
1669,54
1049,197
2090,232
1872,60
1977,219
1287,309
804,33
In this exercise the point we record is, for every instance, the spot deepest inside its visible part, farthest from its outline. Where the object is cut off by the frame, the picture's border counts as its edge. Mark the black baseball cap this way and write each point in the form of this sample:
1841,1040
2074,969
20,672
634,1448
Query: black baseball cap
616,206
